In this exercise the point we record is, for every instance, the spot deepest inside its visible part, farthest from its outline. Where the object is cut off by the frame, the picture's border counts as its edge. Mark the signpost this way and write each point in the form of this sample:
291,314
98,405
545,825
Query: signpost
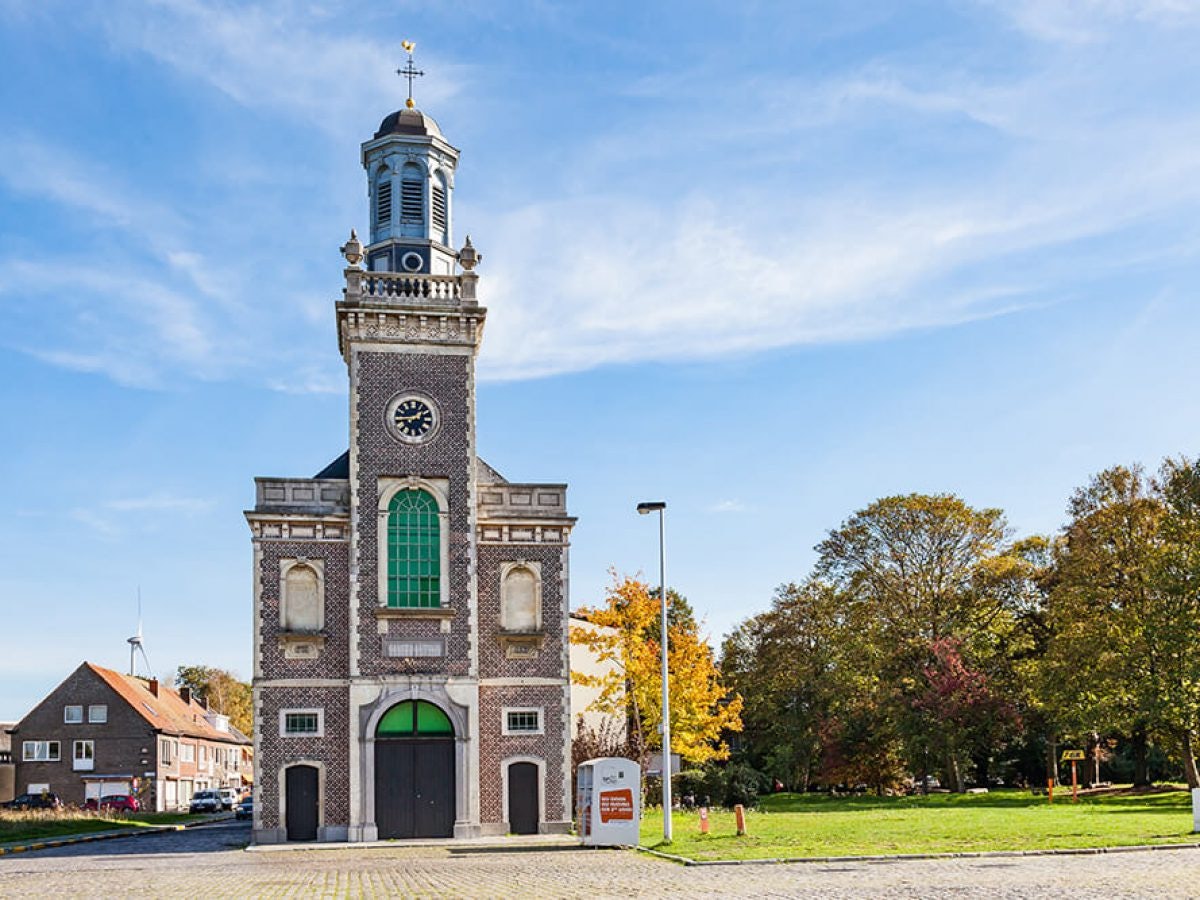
1074,757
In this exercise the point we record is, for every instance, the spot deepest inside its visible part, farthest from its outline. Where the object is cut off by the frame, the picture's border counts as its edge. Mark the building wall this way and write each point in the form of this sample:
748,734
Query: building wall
274,751
495,748
124,745
585,662
376,378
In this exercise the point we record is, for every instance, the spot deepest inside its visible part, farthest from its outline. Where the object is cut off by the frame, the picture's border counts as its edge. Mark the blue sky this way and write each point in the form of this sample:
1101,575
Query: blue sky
766,261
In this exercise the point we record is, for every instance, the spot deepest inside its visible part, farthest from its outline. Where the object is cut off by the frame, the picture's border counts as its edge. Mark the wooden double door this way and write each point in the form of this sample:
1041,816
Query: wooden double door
414,787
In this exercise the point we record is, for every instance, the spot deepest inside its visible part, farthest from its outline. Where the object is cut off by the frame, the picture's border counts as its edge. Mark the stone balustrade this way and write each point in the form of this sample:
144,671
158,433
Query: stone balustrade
408,288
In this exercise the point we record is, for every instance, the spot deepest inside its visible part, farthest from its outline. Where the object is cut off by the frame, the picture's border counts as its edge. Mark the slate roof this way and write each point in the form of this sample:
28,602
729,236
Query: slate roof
340,468
167,712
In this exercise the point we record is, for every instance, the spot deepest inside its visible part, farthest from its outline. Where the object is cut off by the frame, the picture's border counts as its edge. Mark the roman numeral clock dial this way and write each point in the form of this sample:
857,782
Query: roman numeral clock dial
412,419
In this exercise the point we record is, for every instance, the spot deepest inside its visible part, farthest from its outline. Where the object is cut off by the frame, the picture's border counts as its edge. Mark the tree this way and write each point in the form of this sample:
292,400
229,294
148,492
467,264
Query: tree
702,709
913,572
223,693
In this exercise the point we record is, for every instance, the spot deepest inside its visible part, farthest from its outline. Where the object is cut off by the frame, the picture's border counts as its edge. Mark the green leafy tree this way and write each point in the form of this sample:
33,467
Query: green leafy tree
222,691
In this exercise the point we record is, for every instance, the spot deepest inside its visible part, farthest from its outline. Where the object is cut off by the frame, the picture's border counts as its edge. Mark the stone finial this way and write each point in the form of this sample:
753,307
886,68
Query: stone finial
352,249
468,256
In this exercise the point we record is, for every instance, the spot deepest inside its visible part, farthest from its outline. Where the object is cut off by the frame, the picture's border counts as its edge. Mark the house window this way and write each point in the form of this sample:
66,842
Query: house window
83,755
187,753
164,752
522,721
302,722
414,550
520,598
40,751
302,606
98,714
73,715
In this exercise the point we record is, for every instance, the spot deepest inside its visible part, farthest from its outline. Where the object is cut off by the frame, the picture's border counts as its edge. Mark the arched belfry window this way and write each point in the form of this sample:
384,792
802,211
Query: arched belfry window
441,218
412,199
414,718
383,201
413,550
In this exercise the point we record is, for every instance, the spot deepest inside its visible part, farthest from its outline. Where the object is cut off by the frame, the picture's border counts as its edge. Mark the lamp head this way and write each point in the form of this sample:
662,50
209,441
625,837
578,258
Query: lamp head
654,506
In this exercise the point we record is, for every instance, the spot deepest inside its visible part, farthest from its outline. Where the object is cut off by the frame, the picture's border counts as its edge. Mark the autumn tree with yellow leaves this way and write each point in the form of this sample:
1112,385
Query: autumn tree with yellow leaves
702,708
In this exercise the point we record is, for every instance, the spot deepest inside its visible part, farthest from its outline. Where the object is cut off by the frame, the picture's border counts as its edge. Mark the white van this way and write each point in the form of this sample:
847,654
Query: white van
229,797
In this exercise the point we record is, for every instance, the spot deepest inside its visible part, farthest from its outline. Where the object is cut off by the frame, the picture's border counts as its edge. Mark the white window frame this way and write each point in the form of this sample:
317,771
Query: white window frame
541,720
29,751
166,757
87,762
319,713
97,714
187,752
72,714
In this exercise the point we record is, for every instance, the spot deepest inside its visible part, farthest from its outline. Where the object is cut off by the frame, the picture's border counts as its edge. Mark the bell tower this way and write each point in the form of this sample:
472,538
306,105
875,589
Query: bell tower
410,180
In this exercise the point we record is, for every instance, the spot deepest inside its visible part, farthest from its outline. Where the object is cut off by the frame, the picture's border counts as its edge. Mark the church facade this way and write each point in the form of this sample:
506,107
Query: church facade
411,670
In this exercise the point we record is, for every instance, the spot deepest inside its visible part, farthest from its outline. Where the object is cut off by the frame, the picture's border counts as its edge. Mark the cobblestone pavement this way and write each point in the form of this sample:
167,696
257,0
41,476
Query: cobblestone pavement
209,861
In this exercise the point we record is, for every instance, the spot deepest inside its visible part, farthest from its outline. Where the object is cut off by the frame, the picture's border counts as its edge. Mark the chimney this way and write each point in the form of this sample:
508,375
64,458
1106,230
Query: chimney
185,694
152,684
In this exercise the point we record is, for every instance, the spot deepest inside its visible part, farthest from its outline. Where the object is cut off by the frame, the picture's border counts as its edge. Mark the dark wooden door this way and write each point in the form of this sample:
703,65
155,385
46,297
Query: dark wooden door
301,801
523,798
414,788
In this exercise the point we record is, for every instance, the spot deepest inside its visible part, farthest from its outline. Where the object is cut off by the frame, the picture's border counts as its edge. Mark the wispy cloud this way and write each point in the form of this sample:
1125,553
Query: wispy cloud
112,518
728,506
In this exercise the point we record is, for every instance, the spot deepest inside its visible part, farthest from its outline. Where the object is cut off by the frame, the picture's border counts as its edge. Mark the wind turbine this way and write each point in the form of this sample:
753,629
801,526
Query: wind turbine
135,644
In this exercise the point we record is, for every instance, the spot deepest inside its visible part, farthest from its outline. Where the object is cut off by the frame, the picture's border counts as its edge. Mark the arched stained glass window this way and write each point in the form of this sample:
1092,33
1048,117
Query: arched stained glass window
414,551
414,718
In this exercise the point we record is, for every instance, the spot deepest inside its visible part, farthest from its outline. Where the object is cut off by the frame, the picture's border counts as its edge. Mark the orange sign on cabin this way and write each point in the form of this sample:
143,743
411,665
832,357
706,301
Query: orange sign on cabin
616,806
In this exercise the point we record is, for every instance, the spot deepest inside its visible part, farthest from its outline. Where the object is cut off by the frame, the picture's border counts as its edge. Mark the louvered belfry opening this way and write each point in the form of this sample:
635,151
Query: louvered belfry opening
412,198
439,210
383,204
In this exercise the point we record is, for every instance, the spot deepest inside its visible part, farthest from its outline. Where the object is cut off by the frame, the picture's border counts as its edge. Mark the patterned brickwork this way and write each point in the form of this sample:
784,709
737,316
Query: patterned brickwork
333,661
450,454
551,661
494,746
276,751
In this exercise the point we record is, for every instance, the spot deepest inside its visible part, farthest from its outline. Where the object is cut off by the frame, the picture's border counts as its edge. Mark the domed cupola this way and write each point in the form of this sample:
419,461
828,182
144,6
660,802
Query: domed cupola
410,180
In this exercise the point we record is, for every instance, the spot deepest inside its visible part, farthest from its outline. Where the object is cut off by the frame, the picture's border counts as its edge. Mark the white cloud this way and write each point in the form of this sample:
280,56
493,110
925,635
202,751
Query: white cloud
1089,21
728,506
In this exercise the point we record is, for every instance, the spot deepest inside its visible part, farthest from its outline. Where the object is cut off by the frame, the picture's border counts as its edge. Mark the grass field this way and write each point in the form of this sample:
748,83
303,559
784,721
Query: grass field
795,825
39,824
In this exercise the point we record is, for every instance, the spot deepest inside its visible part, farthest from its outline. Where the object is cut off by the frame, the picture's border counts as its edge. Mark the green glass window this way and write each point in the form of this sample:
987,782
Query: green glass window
414,550
414,718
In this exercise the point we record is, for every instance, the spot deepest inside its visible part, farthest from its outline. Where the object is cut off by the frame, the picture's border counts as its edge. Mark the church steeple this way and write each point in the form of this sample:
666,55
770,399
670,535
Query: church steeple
410,180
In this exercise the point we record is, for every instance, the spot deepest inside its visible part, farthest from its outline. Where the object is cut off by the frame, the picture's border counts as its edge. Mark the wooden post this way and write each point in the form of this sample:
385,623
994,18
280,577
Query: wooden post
1074,782
1049,790
739,814
704,820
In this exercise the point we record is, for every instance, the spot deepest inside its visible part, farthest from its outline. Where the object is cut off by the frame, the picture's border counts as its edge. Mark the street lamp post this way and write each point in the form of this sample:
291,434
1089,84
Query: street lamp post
661,508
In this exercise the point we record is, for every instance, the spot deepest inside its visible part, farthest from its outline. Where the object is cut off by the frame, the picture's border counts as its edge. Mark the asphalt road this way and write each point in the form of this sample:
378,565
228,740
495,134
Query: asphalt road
210,861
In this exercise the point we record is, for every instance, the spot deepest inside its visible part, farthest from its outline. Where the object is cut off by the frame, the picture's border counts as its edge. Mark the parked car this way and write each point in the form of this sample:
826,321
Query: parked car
245,809
205,801
34,801
229,797
122,802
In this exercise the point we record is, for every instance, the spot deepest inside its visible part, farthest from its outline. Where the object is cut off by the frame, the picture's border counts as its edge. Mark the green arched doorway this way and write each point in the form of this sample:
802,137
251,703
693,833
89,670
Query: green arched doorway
414,772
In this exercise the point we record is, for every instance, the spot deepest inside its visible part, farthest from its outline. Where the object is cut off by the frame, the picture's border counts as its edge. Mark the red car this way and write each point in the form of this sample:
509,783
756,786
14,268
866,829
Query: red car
121,802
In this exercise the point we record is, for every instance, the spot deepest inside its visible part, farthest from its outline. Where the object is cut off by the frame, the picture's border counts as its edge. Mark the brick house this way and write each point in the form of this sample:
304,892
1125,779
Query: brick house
410,604
101,732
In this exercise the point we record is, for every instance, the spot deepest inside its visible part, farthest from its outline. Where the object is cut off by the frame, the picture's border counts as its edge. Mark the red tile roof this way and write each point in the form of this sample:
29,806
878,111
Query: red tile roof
168,711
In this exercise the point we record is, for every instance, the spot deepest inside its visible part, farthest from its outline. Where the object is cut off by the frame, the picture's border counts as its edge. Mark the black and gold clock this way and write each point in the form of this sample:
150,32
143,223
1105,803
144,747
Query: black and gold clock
412,418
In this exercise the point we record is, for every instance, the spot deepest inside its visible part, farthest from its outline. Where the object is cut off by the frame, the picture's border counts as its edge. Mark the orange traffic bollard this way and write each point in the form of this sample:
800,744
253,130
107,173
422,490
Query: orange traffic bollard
704,820
1049,790
739,813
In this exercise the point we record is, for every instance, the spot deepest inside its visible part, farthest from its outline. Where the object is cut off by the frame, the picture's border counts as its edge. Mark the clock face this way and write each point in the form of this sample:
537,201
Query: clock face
412,419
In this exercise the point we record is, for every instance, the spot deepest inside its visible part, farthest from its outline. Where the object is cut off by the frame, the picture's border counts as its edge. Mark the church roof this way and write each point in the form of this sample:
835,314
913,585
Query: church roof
408,121
340,468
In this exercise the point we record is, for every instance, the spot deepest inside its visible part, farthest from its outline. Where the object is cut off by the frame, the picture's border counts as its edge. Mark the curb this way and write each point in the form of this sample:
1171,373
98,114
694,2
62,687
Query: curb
88,837
906,857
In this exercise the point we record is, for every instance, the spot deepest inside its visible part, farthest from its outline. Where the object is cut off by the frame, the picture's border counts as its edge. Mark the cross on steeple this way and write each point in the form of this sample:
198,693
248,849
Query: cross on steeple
409,72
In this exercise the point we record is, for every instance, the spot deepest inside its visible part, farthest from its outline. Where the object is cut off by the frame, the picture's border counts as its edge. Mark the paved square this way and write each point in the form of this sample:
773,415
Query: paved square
209,861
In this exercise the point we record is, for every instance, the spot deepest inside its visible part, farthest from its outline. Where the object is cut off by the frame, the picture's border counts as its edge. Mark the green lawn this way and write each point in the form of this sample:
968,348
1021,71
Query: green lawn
795,825
41,824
